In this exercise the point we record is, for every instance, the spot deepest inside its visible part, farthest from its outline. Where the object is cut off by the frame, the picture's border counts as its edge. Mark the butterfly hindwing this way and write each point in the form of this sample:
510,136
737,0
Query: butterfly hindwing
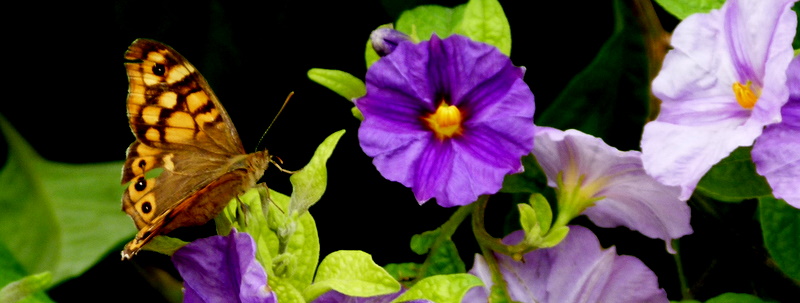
187,161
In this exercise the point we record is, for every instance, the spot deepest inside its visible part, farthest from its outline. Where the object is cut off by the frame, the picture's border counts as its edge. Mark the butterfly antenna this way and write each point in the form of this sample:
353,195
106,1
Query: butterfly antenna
273,119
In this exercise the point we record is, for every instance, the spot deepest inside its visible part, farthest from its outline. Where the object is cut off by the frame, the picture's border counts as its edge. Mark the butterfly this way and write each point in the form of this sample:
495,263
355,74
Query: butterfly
187,162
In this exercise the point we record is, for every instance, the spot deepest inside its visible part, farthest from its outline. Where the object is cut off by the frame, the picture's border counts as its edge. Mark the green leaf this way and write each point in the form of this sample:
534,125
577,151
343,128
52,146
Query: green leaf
543,212
441,288
424,20
25,287
555,236
309,183
683,8
165,245
531,180
286,292
342,83
734,179
58,217
370,56
12,272
485,21
610,98
352,273
528,220
403,271
780,225
736,298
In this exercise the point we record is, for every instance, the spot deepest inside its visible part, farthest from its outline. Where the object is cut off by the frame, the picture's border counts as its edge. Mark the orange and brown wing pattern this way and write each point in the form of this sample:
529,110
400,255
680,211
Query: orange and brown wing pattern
170,105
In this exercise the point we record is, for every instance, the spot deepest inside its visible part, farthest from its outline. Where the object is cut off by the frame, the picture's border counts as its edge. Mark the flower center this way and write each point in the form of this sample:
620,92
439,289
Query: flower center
745,95
575,194
445,122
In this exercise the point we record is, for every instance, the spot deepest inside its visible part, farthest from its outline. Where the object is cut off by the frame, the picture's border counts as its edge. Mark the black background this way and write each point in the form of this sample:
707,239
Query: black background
68,86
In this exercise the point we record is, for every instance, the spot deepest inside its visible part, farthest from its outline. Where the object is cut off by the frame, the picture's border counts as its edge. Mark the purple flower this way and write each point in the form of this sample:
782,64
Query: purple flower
222,269
447,118
777,152
575,270
722,83
609,186
337,297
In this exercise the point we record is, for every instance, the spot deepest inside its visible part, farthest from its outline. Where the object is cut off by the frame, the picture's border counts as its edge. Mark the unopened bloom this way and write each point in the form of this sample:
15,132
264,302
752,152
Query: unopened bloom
609,186
722,83
448,118
776,153
222,269
385,40
575,270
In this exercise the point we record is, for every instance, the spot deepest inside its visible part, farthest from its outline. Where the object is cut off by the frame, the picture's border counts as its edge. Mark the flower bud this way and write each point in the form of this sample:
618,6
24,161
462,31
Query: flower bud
386,39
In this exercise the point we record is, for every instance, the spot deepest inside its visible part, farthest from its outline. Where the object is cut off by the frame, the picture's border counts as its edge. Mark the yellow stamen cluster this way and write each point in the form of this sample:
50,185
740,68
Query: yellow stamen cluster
445,122
745,95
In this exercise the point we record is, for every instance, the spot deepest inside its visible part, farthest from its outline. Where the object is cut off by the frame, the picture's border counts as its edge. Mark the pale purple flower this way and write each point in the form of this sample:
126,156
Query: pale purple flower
722,83
609,186
575,270
222,269
776,153
447,118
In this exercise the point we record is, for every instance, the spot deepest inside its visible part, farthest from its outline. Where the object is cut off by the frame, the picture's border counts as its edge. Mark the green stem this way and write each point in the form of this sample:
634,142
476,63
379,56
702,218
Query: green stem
487,243
447,231
686,293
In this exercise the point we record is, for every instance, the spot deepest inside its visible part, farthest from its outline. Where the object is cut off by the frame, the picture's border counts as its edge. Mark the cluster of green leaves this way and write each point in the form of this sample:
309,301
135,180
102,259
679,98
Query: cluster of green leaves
50,231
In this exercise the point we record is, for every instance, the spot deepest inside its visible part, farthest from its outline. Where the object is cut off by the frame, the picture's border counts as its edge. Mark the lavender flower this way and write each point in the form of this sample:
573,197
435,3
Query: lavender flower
777,152
575,270
722,83
608,185
447,118
222,269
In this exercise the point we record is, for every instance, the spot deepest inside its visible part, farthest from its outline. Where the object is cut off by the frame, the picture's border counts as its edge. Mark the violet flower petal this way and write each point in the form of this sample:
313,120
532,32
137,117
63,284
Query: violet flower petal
700,121
631,197
222,269
497,128
575,270
776,153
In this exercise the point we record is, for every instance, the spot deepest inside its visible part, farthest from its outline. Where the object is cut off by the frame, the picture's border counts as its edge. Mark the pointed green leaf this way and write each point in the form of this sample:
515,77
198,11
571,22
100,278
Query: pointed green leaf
527,218
543,212
309,183
441,288
555,236
780,225
683,8
424,20
25,287
352,273
610,98
165,245
59,217
346,85
736,298
485,21
12,272
734,179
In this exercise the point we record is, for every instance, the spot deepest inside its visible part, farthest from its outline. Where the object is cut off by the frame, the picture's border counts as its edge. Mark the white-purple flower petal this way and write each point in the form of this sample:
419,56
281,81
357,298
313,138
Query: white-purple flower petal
575,270
631,197
496,118
222,269
776,153
701,121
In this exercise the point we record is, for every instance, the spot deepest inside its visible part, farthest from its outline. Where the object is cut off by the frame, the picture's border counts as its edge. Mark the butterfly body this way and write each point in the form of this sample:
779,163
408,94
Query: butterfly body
184,132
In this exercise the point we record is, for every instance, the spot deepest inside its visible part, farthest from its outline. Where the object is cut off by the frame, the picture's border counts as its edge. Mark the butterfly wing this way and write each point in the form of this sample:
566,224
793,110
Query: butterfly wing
182,131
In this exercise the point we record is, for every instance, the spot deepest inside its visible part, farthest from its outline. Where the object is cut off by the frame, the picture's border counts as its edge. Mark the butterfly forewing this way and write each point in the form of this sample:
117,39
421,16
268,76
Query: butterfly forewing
182,130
